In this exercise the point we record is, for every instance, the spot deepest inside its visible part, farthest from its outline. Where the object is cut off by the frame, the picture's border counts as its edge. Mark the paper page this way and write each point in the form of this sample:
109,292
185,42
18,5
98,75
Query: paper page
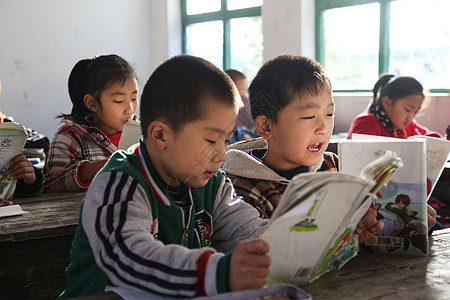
12,140
312,227
437,154
130,135
402,222
11,210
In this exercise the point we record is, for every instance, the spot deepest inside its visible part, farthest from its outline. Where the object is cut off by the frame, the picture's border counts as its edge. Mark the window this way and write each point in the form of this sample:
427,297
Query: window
358,40
228,33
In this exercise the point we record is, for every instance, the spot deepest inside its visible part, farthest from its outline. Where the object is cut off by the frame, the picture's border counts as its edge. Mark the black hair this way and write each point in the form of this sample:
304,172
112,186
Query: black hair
178,88
235,74
395,88
283,78
92,77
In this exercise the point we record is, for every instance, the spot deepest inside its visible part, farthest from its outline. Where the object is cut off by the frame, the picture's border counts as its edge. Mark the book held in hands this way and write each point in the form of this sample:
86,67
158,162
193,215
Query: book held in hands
403,205
12,140
311,232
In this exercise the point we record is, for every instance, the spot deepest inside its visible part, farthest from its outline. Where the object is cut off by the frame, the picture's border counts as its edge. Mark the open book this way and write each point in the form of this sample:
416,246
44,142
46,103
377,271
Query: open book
437,154
403,205
311,231
12,140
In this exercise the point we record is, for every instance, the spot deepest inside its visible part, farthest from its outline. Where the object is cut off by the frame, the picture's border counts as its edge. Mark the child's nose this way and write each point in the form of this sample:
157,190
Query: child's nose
221,154
130,108
322,126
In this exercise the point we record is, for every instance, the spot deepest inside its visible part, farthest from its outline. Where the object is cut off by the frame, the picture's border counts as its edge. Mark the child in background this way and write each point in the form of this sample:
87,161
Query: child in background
153,218
240,80
292,104
396,102
29,178
104,92
245,126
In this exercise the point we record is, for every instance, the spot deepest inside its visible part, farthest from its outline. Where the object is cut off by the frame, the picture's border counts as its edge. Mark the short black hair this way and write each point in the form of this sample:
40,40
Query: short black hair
178,88
283,78
235,74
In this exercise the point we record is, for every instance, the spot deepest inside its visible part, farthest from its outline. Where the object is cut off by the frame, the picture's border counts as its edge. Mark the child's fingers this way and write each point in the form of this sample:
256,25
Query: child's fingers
18,158
256,246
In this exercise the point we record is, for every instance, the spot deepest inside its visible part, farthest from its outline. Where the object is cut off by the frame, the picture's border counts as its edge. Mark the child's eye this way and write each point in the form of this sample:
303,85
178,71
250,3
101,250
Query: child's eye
330,115
118,101
308,118
211,142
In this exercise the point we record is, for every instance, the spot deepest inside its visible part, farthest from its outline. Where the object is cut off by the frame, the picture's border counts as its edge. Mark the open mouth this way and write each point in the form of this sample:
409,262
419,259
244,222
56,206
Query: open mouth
314,147
209,174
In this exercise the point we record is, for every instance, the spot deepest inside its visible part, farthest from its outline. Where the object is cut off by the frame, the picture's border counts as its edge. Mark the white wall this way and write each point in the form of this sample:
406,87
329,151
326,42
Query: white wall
40,41
288,27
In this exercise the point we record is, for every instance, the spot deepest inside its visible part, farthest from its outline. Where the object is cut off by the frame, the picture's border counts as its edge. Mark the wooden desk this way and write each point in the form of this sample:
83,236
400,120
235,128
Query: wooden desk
35,246
388,276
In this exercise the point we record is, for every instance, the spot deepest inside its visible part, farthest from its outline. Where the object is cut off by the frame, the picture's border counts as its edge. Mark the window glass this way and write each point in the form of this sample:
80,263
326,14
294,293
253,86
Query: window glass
246,45
239,4
419,41
206,40
351,37
194,7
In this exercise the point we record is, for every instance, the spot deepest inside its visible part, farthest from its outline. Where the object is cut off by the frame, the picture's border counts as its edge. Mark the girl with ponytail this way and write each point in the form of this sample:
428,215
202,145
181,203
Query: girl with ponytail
396,102
104,92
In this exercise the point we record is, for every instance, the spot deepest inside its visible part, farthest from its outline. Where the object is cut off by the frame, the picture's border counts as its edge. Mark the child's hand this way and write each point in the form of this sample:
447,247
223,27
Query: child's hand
431,216
249,265
369,225
21,168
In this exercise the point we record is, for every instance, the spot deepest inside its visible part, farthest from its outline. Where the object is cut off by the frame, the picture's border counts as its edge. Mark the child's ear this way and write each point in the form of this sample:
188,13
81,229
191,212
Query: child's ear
263,126
157,133
386,102
90,102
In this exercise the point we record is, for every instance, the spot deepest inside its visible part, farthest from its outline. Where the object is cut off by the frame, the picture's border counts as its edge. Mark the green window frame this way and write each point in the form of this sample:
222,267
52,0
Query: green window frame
383,54
224,15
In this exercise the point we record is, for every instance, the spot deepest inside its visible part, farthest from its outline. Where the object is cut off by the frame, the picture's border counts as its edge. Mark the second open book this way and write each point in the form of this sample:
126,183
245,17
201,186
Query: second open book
312,230
403,205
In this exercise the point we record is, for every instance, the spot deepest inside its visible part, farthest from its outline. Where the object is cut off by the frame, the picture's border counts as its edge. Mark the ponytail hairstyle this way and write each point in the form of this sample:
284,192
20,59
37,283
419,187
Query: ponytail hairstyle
93,76
395,88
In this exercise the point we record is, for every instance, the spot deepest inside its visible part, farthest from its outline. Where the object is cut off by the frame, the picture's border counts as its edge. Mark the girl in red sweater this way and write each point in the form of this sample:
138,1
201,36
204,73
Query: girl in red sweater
396,102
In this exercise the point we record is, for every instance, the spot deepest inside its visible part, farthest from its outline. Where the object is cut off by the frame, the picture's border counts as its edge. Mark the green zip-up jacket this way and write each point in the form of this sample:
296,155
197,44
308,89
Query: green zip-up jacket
131,233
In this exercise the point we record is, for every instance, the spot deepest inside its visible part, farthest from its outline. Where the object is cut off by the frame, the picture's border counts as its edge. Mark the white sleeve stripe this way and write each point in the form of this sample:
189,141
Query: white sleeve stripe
190,288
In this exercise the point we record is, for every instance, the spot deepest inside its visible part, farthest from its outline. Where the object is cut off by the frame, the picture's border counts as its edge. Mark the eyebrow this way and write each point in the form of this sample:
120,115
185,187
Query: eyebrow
121,93
218,130
315,105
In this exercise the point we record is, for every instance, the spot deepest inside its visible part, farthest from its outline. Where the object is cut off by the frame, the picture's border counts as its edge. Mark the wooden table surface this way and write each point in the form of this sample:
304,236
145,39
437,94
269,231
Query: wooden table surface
35,251
389,276
49,214
35,246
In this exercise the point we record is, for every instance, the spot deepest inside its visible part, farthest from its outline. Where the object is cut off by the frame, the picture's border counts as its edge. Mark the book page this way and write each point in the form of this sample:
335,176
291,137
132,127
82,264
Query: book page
12,140
403,205
11,210
437,155
130,135
303,235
